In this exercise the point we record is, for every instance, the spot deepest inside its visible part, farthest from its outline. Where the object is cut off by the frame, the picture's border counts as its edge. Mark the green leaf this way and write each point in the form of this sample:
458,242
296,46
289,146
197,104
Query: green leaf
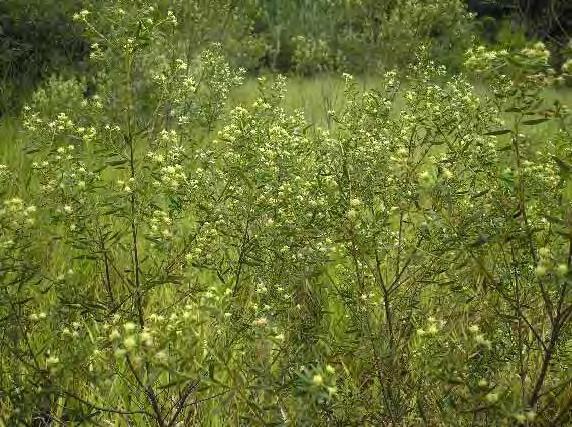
554,220
498,132
535,121
564,233
513,110
111,211
116,162
506,148
565,168
211,371
480,193
87,257
31,150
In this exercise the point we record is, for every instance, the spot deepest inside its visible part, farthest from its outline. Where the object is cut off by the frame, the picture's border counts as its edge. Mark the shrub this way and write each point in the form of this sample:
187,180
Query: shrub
38,38
176,261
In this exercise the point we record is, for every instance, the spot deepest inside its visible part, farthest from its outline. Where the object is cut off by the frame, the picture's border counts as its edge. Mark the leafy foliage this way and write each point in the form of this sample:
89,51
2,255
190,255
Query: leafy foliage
237,265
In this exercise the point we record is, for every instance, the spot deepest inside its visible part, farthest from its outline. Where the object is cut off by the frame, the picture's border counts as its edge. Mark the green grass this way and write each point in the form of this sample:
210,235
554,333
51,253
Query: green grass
315,96
10,143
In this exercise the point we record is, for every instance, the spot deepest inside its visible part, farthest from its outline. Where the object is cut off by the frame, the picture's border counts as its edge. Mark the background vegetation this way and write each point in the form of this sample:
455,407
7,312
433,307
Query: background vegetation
189,238
298,36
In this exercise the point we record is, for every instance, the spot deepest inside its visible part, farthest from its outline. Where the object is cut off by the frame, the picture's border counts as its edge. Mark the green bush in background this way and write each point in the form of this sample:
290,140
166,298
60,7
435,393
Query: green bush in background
301,36
37,38
295,36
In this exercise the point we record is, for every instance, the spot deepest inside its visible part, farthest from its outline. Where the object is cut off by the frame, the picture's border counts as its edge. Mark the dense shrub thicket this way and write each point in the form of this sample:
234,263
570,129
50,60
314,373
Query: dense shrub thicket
39,39
171,260
299,36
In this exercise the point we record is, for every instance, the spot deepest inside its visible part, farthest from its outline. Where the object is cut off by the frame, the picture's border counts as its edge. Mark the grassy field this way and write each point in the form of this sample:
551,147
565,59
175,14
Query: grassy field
314,95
